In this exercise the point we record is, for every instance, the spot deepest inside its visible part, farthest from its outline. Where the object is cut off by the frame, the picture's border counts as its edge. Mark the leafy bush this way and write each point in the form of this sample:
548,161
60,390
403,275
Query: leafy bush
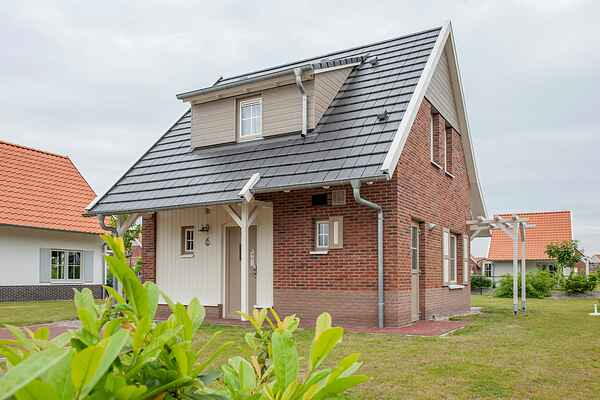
479,281
539,284
120,352
577,284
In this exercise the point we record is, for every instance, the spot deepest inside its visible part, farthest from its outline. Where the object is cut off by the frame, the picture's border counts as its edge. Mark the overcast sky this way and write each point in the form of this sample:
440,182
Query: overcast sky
97,80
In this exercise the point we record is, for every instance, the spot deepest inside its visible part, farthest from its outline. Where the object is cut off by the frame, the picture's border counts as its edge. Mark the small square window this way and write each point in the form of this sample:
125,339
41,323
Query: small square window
187,240
338,197
319,199
250,112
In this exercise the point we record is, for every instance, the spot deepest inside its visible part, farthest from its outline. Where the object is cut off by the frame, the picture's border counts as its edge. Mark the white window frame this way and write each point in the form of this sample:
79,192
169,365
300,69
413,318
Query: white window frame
414,247
65,266
318,235
485,266
241,105
452,268
445,149
186,248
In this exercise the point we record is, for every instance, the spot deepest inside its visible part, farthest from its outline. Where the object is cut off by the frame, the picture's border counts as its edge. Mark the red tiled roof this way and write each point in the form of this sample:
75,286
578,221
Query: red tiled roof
43,190
550,227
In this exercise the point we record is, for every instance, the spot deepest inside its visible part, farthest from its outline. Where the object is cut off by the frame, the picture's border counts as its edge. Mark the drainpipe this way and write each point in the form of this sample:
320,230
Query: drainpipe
300,85
104,226
380,293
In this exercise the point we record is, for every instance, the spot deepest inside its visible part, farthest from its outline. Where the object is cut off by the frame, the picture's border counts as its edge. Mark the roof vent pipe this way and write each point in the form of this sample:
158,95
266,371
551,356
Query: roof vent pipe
380,293
298,74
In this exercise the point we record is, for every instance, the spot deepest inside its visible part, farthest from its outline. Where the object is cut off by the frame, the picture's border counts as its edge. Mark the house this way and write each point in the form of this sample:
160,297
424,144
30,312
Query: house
479,266
48,247
342,182
594,263
549,227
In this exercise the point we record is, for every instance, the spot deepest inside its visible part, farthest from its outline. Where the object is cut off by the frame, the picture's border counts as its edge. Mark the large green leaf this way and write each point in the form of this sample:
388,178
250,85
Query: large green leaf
37,390
323,323
285,359
340,385
60,377
27,371
86,310
323,344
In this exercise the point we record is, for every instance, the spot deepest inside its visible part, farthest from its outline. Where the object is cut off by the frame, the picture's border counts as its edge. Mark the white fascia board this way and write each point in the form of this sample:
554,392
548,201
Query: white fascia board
391,159
393,156
246,192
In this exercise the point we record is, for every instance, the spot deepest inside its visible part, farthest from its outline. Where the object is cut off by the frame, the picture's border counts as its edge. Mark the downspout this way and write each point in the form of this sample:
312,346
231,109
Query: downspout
104,226
300,85
380,293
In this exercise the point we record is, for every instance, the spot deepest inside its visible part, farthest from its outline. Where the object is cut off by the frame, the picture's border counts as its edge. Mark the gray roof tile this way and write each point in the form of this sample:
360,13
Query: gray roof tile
349,142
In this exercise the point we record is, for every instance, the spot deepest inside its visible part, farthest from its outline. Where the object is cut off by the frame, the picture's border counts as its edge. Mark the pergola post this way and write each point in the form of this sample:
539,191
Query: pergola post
515,266
523,269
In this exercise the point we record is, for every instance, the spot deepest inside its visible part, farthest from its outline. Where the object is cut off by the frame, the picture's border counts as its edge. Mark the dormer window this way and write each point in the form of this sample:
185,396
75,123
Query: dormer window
250,112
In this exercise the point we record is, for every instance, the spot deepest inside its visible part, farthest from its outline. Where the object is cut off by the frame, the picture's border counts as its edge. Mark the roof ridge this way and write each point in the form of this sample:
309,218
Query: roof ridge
33,149
535,212
290,63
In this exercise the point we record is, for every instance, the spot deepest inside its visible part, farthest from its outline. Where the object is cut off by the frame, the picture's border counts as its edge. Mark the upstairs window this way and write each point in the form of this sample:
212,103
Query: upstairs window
322,234
434,139
250,112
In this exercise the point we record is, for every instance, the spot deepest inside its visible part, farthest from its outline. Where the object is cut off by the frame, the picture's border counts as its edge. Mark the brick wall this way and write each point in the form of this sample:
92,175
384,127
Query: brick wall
44,292
148,270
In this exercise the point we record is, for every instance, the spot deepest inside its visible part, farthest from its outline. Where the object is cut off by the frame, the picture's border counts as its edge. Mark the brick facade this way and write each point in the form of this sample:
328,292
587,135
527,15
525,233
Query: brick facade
344,281
44,292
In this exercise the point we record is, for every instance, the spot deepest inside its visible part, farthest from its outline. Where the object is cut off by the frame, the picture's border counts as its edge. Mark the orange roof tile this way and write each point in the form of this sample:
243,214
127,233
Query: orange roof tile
43,190
550,227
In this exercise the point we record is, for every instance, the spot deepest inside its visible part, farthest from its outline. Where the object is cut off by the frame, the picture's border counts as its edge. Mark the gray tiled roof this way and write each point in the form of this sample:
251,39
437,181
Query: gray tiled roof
349,142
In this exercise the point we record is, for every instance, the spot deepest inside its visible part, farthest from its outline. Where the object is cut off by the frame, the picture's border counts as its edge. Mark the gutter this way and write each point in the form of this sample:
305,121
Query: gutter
298,74
380,277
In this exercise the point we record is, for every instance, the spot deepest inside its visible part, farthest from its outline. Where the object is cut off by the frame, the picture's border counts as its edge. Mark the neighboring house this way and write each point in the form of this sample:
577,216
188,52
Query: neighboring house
48,247
594,263
550,227
480,266
136,252
256,196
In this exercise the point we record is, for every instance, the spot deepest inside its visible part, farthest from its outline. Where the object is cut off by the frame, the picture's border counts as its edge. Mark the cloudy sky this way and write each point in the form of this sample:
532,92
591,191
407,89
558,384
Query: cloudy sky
97,80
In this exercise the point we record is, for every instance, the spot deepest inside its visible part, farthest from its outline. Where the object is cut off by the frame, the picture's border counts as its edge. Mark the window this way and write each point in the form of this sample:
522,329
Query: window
329,233
452,258
448,151
414,248
66,265
449,257
187,240
319,199
488,270
250,118
432,141
434,138
322,234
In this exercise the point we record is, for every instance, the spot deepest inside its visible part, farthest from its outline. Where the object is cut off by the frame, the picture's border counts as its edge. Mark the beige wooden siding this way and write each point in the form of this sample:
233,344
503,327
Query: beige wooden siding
282,109
213,122
327,85
201,275
441,92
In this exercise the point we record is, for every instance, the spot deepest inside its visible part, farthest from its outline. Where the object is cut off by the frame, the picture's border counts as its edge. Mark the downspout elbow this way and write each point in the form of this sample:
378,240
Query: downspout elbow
102,222
302,90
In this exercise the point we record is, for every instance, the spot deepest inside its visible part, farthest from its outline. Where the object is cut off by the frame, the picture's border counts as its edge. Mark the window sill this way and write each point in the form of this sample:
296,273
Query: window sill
191,255
249,138
438,166
67,282
319,252
449,174
454,286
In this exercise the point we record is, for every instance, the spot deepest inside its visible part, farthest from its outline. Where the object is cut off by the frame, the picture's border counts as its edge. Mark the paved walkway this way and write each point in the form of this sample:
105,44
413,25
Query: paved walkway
56,328
419,328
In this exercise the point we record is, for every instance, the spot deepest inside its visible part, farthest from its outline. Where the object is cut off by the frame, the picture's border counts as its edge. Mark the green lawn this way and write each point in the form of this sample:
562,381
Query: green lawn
36,312
553,353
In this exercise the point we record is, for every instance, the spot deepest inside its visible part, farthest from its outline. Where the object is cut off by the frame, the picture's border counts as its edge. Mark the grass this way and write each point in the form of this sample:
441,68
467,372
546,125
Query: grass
36,312
552,353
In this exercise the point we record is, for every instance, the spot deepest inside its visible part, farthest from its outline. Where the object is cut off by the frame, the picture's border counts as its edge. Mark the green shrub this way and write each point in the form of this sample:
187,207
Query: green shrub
479,281
577,284
539,285
120,352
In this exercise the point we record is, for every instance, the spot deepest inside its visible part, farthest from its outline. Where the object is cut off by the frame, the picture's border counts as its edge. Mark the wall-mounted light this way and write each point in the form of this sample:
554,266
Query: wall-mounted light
431,226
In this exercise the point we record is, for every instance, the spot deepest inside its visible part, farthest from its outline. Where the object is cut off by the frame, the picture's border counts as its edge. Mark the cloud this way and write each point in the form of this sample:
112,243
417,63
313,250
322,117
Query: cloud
98,80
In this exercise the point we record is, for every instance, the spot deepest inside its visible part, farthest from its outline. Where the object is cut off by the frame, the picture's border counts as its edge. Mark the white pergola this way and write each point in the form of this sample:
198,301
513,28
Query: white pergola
513,227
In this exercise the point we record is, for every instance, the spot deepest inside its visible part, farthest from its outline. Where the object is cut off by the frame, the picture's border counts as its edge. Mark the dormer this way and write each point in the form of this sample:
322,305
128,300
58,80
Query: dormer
255,106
